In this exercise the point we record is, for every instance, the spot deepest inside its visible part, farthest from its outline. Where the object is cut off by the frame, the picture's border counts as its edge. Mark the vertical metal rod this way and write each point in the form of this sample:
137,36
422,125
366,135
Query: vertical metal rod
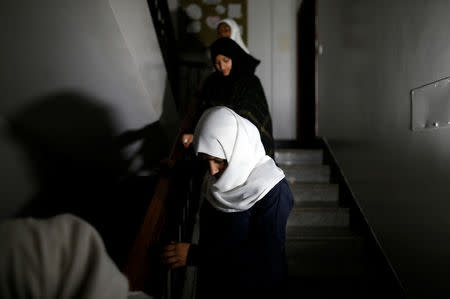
169,285
188,206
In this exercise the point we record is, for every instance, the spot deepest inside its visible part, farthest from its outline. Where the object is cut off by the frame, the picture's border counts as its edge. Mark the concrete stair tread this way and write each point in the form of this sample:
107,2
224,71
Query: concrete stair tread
318,186
318,207
315,192
332,247
321,233
326,256
303,167
318,217
299,156
325,287
306,173
307,205
299,150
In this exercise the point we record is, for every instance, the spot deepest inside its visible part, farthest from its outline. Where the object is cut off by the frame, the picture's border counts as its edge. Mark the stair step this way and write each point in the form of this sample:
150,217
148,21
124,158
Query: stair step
320,193
306,173
318,217
299,156
326,257
348,287
319,233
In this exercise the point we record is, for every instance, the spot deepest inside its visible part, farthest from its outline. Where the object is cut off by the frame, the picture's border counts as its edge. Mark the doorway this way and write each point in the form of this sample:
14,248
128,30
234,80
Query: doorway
307,64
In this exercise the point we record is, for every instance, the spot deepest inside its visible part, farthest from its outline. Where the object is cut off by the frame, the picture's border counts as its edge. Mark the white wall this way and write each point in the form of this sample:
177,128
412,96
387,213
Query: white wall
86,47
73,71
375,53
272,38
136,26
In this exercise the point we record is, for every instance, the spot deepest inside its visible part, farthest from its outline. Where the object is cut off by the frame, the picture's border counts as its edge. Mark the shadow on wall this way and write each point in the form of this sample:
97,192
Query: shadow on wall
145,147
70,142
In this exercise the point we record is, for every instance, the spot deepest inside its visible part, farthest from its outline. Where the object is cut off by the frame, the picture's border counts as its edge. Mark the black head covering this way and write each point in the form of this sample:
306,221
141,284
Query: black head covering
243,63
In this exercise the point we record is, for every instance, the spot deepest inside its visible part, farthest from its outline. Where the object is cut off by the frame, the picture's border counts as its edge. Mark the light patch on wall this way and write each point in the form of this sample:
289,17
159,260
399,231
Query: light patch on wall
430,106
235,11
194,11
212,21
136,26
284,42
220,9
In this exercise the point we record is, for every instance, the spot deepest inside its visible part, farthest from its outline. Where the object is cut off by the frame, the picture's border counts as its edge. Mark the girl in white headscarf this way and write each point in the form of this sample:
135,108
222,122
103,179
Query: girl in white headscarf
241,250
229,28
59,257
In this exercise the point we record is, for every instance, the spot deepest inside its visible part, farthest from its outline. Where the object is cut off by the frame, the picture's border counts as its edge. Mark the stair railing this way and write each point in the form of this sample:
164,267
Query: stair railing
159,10
169,217
171,211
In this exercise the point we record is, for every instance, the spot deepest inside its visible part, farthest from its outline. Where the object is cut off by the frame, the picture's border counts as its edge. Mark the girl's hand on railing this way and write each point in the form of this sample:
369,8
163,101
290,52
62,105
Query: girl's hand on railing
175,254
186,139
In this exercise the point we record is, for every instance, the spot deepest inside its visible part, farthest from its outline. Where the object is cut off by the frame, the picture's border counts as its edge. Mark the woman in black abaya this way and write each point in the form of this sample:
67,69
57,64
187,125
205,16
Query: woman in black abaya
235,85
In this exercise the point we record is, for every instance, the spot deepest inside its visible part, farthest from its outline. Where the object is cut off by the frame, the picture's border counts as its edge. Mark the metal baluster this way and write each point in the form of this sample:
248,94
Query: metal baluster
169,285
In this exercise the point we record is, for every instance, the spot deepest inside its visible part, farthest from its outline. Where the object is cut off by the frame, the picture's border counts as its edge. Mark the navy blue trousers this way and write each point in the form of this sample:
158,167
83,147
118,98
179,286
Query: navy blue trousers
242,254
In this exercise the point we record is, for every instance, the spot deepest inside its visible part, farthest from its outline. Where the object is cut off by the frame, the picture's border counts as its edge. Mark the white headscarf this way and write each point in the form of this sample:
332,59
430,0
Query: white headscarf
235,33
250,174
59,257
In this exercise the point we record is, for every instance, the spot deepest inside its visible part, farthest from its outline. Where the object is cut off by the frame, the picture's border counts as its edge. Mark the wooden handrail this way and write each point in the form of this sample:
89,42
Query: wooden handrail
136,267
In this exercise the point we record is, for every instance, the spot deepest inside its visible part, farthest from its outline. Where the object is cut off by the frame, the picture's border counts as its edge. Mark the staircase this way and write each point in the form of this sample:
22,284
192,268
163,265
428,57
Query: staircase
329,254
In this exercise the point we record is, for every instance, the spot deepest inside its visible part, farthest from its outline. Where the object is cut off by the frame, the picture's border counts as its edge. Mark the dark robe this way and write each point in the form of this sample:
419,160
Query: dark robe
242,254
241,91
245,95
